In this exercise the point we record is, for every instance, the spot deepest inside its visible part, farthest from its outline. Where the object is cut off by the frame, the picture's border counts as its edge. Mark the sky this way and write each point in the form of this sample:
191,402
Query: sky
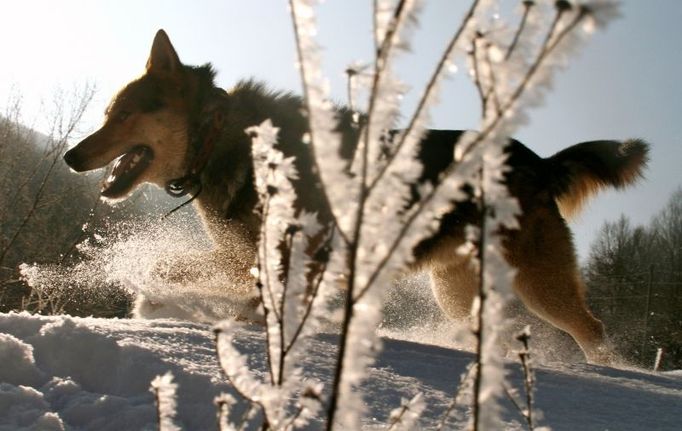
624,83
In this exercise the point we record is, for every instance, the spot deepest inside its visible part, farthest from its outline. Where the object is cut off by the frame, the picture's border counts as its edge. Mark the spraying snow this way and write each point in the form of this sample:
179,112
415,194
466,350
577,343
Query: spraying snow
167,264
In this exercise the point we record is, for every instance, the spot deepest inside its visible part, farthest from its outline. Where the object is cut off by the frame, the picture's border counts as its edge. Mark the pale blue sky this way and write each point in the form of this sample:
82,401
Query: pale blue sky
625,83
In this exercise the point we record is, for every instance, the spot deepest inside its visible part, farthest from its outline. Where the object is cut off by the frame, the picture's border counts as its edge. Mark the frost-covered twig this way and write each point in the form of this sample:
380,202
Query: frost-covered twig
405,416
382,111
324,141
519,81
382,107
424,205
455,399
283,275
528,377
164,389
527,5
235,368
554,36
528,382
492,91
223,404
476,72
428,93
232,363
479,312
311,300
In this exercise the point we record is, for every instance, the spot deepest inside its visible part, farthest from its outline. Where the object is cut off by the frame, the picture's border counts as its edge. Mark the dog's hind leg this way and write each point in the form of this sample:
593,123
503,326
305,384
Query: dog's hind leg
549,284
560,301
454,286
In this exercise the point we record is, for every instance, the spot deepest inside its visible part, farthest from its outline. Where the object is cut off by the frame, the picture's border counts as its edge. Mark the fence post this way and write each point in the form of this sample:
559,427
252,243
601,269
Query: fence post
659,358
648,307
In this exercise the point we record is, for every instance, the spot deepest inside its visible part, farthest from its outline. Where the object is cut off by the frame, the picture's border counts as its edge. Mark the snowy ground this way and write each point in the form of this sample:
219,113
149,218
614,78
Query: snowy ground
94,374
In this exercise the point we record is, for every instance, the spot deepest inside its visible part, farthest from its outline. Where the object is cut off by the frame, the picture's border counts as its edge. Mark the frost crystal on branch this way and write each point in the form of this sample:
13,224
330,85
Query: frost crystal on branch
289,292
164,389
234,363
405,417
325,142
224,403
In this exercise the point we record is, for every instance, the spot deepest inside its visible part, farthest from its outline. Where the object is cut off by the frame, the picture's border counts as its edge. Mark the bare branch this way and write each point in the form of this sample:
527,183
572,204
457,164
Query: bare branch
527,5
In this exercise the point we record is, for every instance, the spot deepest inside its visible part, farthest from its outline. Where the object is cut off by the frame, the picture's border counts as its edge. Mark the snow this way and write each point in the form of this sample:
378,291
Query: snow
67,373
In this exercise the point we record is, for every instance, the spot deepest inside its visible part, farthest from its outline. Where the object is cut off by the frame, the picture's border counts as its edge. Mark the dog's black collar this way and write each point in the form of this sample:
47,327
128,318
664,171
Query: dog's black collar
203,137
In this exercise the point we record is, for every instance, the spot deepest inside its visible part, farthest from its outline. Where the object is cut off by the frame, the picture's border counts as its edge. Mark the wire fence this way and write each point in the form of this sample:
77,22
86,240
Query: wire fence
642,311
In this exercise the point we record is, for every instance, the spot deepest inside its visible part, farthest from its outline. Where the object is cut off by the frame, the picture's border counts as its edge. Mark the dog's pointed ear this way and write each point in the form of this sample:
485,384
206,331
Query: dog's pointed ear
163,59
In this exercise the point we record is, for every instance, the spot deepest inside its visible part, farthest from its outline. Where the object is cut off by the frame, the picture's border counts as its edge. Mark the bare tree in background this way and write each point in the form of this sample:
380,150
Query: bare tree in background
634,274
42,206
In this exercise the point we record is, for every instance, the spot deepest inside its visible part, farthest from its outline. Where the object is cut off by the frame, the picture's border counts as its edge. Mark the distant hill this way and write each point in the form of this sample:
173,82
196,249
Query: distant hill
44,207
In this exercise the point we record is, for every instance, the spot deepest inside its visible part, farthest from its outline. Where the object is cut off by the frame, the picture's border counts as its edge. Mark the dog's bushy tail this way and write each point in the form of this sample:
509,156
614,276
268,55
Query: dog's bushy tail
580,171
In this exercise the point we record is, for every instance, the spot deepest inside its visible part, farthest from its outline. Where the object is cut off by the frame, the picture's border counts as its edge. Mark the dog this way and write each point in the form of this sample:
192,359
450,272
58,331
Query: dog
174,128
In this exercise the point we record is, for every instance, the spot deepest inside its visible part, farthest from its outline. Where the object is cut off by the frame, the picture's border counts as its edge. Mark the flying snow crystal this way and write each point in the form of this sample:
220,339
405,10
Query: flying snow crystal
451,67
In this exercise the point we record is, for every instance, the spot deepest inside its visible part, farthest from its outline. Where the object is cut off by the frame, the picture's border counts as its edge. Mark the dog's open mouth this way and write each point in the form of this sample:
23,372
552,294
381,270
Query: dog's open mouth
126,169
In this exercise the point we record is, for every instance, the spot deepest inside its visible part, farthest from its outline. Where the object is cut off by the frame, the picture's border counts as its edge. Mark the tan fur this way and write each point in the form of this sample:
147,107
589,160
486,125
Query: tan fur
573,202
548,279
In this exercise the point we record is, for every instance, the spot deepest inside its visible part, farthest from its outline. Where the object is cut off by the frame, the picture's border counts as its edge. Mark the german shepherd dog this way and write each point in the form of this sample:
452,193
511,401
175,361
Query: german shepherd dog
174,128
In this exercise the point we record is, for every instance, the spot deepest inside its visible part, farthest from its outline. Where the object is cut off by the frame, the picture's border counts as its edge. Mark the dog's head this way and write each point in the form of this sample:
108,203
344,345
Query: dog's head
145,132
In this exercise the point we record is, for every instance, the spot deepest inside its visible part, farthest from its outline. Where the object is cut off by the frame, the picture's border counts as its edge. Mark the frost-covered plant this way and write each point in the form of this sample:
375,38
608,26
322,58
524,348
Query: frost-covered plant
511,67
164,389
405,417
368,203
373,231
463,387
528,377
527,412
289,285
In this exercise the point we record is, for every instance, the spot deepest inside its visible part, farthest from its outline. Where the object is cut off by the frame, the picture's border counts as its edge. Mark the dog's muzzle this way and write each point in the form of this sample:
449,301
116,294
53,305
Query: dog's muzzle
74,161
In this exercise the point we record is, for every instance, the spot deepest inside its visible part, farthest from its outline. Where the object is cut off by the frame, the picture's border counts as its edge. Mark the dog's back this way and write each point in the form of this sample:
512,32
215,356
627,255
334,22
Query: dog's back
567,179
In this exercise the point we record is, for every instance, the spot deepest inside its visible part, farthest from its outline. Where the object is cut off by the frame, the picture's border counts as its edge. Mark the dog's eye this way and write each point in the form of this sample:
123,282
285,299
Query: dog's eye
123,115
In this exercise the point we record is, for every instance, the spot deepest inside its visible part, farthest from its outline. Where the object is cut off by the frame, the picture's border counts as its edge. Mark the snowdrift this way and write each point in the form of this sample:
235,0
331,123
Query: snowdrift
63,373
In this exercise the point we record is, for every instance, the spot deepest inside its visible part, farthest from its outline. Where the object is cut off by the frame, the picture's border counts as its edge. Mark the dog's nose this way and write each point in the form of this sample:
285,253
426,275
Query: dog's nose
71,158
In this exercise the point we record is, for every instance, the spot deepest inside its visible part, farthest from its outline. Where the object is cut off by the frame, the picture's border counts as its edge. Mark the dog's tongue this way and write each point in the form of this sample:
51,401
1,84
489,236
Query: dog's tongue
126,169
